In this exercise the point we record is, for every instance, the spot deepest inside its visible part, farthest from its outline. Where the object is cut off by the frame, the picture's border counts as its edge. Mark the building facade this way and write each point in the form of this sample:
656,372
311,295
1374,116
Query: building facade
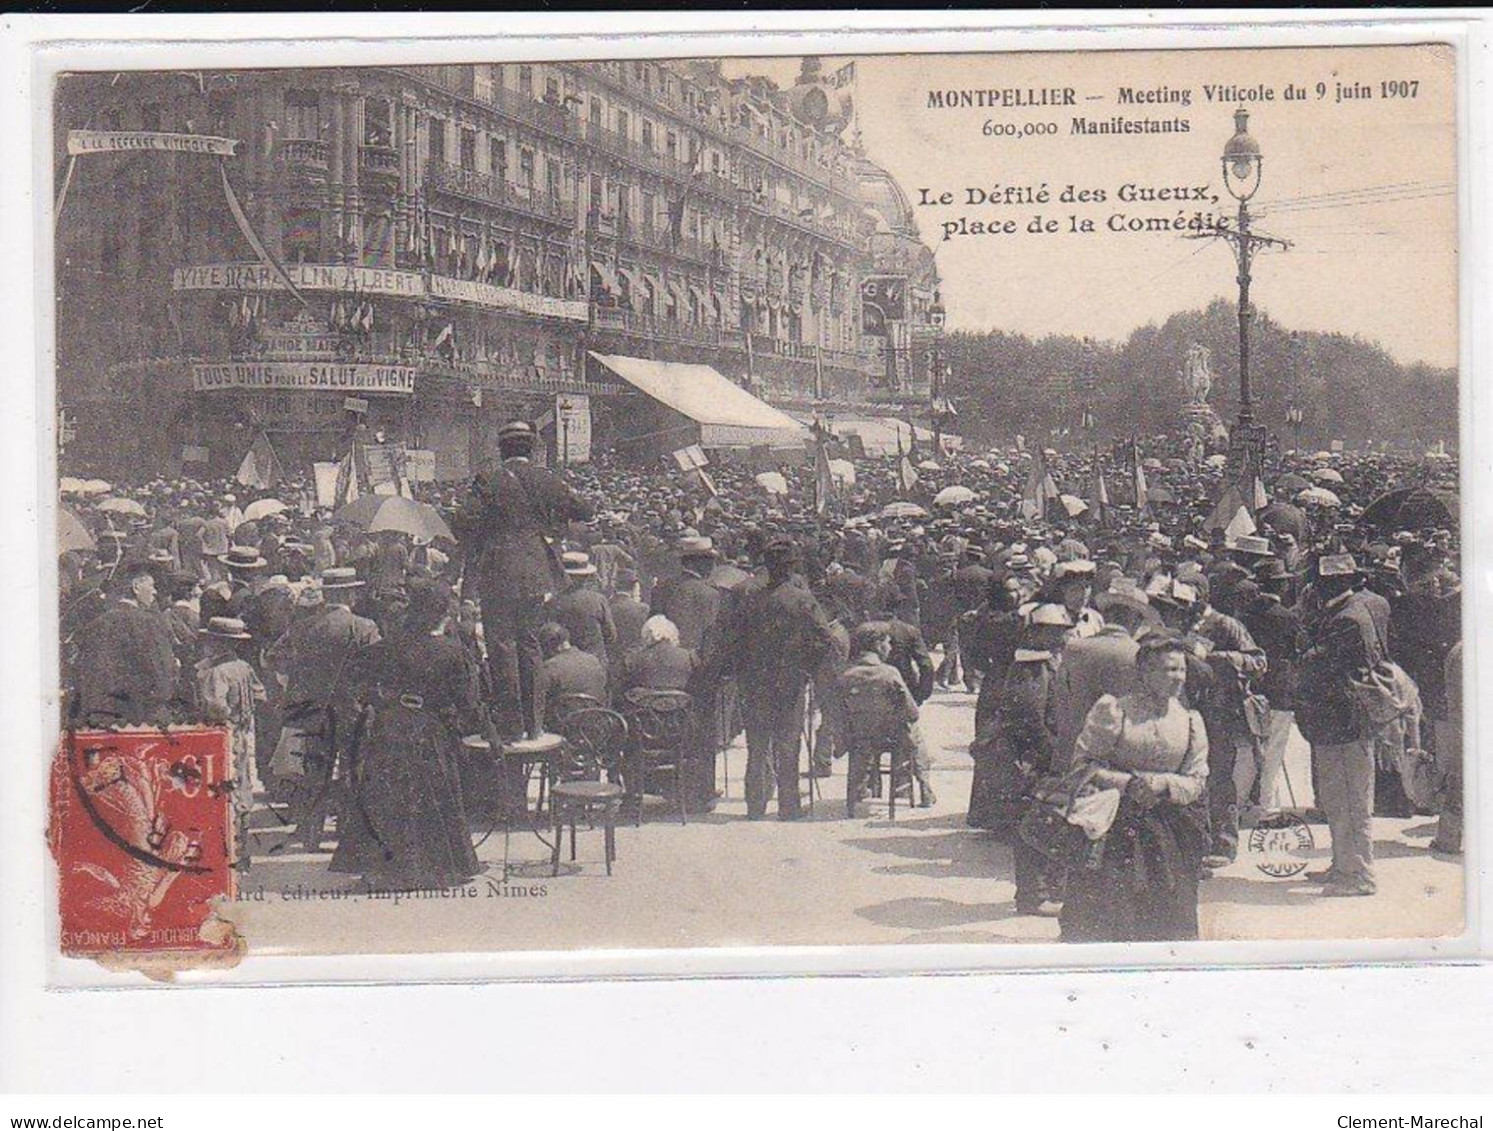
428,251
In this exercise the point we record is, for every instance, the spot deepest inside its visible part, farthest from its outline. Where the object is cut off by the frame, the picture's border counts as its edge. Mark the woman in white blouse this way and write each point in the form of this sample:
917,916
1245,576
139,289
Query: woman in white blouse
1154,749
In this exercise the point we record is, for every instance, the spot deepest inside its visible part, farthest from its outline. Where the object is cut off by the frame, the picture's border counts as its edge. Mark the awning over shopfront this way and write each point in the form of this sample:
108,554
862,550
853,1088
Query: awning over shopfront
728,415
881,435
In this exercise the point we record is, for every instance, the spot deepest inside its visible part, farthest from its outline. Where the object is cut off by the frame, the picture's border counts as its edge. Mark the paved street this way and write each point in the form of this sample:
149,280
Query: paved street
722,880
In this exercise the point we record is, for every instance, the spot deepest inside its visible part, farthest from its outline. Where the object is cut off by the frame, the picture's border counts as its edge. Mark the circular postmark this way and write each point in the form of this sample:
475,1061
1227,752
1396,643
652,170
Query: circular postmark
1280,845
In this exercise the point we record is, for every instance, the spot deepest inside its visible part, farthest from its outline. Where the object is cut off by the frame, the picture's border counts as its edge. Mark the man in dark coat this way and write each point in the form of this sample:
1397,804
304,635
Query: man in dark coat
1346,644
585,613
317,657
568,670
628,613
127,670
778,635
502,526
690,600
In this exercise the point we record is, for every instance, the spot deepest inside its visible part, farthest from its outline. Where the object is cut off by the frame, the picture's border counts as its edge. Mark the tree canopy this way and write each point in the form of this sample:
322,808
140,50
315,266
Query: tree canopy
1347,388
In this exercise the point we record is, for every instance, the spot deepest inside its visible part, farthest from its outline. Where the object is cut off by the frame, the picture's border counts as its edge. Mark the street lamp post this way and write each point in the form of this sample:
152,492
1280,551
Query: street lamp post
936,318
1243,166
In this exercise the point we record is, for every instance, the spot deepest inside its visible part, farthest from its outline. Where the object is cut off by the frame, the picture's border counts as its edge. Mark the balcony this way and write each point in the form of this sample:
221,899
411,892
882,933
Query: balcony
487,189
489,375
545,115
379,166
650,326
303,160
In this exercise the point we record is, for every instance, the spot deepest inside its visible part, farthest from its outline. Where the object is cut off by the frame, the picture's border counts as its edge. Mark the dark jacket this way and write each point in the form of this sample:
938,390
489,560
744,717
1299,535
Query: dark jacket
126,666
694,605
502,524
587,616
628,614
573,672
778,635
661,667
1347,644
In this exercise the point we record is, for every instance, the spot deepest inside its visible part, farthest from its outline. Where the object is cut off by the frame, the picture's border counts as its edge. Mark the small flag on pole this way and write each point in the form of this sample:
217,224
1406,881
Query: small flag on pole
1142,490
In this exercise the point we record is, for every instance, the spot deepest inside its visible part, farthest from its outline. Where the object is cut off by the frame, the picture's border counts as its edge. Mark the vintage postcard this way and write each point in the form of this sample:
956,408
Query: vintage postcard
549,505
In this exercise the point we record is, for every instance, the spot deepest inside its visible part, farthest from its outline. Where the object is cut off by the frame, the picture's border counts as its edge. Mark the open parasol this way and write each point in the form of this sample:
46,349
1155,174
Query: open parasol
71,533
955,496
117,505
1318,497
1413,508
1217,460
1283,518
929,465
1327,475
262,508
903,510
1290,483
375,513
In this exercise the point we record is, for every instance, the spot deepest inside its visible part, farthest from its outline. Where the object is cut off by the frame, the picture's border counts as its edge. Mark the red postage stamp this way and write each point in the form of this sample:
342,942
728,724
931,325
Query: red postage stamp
143,834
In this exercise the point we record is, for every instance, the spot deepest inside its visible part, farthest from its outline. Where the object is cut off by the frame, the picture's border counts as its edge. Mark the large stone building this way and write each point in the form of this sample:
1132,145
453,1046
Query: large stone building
441,248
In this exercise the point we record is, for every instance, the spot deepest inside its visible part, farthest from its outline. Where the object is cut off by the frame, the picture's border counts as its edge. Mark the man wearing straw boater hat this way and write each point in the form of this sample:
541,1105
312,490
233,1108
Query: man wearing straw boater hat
582,609
512,569
316,657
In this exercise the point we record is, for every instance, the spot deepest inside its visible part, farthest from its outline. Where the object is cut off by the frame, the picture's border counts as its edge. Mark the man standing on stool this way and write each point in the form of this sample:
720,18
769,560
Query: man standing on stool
513,570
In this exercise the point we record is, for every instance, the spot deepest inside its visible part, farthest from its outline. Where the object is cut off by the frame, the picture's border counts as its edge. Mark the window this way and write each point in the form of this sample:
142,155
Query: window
302,115
552,90
526,81
671,144
469,149
715,164
650,209
438,140
623,123
552,178
526,168
150,117
113,120
596,194
497,158
302,238
596,111
647,134
377,127
623,194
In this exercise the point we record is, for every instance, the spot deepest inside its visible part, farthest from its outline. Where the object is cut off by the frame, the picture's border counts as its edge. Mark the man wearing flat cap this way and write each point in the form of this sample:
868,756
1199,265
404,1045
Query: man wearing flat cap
512,569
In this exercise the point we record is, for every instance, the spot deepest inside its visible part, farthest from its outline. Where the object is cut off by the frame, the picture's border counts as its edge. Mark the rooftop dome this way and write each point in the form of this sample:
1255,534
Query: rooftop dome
884,196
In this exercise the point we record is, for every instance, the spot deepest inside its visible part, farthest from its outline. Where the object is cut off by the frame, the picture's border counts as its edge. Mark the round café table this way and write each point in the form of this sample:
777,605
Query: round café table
542,751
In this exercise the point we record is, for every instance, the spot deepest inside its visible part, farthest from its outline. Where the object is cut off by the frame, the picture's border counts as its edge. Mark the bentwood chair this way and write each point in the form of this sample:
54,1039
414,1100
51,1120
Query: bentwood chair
660,731
865,745
595,738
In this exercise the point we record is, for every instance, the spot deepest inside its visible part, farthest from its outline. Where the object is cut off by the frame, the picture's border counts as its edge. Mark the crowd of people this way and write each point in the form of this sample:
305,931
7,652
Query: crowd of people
1147,665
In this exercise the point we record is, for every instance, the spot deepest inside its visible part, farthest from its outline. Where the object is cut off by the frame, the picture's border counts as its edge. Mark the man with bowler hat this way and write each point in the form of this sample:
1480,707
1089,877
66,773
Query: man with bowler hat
512,569
778,635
